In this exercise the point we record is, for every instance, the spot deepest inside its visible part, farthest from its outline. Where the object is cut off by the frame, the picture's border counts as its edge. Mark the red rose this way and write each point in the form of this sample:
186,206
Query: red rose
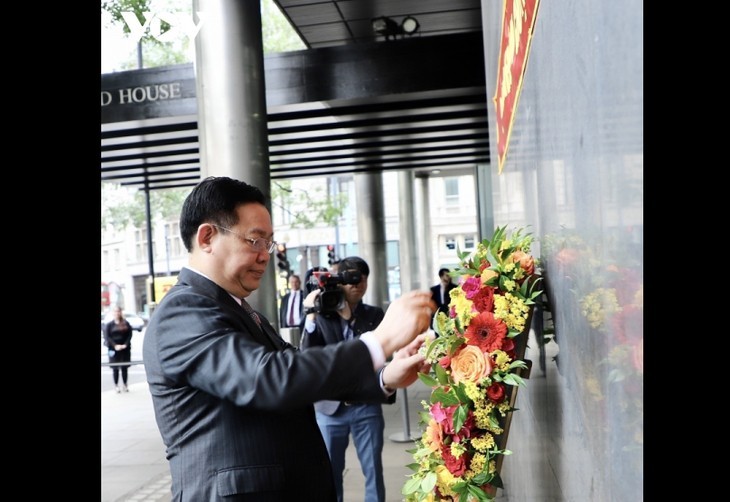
456,466
495,392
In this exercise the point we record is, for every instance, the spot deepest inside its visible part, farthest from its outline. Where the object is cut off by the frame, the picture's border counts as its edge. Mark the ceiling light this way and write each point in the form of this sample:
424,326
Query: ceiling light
409,25
387,27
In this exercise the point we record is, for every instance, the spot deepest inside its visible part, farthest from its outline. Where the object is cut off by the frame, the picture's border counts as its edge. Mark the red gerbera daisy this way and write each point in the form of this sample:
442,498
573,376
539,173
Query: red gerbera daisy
486,332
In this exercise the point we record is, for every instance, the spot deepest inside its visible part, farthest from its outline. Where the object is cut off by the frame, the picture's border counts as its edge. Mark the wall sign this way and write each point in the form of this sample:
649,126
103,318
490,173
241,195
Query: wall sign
518,23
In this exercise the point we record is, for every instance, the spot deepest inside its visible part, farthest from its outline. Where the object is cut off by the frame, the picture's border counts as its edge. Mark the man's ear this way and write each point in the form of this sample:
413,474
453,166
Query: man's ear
205,234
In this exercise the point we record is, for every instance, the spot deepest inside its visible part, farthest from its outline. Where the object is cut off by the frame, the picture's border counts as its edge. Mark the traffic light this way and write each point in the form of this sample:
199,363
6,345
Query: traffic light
282,261
331,254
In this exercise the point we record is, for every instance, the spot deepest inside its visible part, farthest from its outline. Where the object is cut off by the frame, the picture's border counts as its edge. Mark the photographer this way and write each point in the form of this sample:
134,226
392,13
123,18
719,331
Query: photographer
336,313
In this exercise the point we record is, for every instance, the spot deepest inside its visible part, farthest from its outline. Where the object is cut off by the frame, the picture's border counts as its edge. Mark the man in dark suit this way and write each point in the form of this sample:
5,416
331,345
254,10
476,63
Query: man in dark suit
233,401
338,420
440,292
291,310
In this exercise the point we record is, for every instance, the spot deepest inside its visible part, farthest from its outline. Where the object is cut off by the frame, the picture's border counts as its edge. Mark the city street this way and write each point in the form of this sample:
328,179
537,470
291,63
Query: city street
135,371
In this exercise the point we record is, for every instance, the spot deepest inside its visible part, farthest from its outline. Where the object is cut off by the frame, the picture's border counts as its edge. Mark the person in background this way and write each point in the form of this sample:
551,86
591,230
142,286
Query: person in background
440,292
291,310
118,339
233,401
337,419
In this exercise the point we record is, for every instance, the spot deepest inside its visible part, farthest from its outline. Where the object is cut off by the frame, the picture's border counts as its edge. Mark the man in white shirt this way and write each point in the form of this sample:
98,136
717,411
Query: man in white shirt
291,310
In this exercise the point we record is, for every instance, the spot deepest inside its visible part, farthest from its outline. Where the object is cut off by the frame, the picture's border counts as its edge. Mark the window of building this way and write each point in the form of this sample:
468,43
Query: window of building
469,241
451,191
140,244
172,239
450,242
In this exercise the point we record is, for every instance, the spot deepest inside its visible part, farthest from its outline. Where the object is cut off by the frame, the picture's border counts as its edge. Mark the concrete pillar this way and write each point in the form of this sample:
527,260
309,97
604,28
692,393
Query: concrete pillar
371,235
407,248
485,201
231,96
423,225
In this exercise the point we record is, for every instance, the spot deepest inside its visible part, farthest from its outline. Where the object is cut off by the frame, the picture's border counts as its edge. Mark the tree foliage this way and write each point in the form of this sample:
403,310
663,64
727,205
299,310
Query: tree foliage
122,206
321,207
277,33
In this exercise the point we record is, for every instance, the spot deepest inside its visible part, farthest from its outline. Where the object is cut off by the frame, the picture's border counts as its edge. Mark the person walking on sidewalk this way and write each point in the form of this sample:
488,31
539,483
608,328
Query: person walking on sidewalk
233,401
118,339
338,419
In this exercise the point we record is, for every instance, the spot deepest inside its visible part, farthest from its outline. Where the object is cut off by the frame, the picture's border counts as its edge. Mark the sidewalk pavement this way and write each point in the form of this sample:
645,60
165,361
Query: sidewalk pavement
134,468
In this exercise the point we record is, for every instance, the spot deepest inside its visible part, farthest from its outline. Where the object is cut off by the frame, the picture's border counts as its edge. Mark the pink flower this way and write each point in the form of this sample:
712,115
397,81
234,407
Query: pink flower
471,287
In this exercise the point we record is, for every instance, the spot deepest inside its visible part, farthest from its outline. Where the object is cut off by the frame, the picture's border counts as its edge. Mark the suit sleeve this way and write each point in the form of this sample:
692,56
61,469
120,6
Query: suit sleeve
196,341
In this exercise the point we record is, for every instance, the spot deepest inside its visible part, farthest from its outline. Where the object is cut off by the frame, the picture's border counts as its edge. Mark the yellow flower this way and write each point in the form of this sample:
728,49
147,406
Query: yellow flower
445,480
501,360
478,461
483,443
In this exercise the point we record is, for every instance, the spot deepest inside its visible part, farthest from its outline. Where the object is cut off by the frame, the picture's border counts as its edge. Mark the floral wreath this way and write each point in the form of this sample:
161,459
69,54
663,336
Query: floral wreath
474,359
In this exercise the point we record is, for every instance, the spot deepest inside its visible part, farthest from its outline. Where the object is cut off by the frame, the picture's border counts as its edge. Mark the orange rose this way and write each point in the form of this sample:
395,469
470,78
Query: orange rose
527,262
470,365
488,274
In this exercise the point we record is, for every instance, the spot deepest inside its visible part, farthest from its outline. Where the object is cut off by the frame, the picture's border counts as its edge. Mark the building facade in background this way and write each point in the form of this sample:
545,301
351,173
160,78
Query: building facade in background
124,253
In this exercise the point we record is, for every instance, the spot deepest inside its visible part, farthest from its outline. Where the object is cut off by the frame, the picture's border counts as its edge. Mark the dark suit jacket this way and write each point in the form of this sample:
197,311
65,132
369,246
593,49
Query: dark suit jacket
234,404
284,309
436,297
329,331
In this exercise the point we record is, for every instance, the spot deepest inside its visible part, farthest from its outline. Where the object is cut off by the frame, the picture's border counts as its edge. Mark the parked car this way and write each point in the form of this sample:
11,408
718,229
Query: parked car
135,321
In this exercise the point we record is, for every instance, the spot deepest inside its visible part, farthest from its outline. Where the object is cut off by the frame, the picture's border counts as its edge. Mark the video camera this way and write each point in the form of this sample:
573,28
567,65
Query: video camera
332,298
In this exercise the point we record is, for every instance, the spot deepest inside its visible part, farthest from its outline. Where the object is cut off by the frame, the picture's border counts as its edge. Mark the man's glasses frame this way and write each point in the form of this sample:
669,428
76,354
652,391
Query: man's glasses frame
258,245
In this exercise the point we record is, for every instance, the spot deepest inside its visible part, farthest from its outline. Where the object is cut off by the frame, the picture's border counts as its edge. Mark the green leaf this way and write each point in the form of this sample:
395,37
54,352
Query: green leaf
411,486
483,477
460,416
478,493
427,379
513,379
460,392
518,363
443,397
429,482
443,377
497,481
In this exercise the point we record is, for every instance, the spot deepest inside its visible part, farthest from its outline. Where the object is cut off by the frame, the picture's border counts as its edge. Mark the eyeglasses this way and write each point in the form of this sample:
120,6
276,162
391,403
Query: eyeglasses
258,244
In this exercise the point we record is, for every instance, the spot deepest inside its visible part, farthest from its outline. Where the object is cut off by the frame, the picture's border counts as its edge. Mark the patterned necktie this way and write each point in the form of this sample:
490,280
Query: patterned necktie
250,312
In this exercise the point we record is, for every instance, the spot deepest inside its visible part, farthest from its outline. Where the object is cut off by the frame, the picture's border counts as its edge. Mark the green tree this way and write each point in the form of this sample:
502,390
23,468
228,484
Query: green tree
149,48
321,206
122,206
277,33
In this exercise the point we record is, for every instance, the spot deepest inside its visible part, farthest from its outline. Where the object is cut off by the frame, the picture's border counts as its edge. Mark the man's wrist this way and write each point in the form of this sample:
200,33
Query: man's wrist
384,385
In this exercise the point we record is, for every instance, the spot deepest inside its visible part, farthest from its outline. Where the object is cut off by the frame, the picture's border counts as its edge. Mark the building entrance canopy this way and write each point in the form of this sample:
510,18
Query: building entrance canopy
416,103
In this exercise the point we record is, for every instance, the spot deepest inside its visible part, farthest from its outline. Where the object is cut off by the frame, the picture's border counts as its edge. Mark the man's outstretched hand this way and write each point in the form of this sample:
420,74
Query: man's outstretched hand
407,363
406,318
